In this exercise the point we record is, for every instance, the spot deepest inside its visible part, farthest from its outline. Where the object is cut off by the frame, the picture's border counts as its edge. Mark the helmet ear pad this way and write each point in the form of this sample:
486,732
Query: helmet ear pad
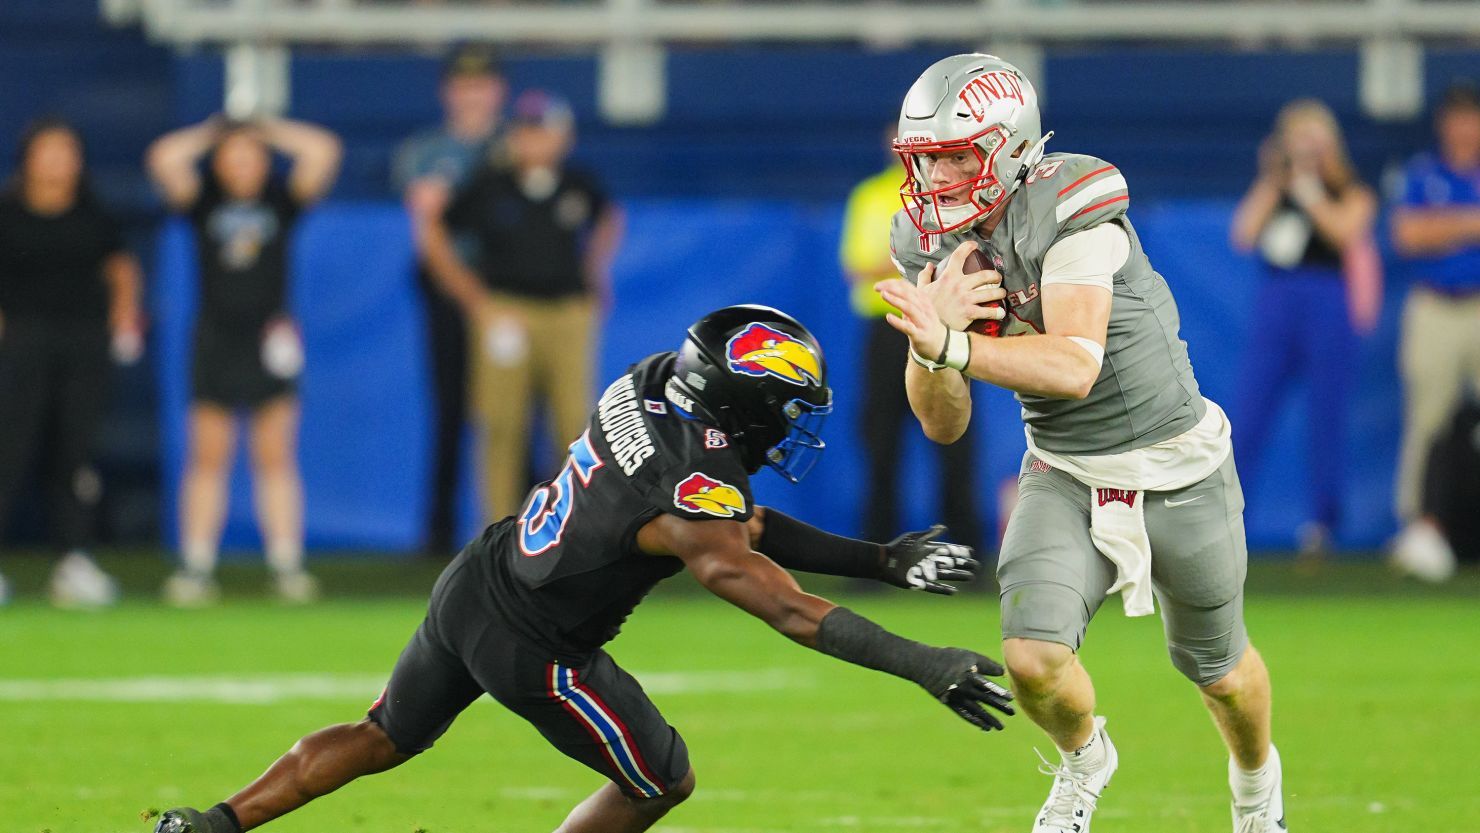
743,366
742,415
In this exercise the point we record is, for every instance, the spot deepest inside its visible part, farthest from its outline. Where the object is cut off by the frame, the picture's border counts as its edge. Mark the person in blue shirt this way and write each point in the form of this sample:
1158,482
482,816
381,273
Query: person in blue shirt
1436,228
430,167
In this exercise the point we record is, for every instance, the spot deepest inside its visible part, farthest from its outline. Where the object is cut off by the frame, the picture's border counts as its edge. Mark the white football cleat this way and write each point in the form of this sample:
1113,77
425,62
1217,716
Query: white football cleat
296,588
1268,815
1071,802
1423,552
191,590
77,582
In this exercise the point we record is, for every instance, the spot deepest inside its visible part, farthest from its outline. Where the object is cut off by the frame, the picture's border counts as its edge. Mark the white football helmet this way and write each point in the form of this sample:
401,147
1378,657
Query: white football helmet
971,102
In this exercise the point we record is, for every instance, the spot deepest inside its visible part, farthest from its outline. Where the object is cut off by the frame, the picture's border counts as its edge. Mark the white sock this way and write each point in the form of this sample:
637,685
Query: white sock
285,557
1089,757
200,557
1251,787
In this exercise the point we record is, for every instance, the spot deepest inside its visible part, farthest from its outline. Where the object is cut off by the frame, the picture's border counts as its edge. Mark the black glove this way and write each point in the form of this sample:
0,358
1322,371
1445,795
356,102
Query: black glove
916,562
971,690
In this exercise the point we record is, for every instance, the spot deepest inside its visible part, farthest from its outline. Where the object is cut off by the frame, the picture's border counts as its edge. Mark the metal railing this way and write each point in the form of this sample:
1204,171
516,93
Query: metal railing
598,22
630,35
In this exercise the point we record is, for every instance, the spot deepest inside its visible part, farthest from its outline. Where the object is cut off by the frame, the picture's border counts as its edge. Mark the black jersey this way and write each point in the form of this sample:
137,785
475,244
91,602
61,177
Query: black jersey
242,248
566,570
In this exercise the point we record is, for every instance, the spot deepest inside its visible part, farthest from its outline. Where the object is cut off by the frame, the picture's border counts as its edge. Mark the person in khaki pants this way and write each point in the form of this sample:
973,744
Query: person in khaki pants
547,235
1436,227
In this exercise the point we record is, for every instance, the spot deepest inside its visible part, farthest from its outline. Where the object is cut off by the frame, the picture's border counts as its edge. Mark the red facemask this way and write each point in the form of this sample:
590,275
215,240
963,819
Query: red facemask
984,192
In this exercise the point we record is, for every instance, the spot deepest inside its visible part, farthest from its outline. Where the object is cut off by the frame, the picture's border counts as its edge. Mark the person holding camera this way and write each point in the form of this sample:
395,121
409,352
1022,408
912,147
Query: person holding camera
1309,220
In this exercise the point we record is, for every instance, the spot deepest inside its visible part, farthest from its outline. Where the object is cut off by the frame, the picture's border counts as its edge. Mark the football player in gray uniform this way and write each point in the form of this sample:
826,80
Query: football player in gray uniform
1128,485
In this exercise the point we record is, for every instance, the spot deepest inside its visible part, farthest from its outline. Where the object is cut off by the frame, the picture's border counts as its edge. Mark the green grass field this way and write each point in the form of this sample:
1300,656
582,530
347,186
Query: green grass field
1377,685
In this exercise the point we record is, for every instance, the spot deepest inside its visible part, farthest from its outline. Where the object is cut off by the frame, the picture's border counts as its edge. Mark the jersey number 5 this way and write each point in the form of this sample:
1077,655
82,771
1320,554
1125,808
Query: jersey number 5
542,523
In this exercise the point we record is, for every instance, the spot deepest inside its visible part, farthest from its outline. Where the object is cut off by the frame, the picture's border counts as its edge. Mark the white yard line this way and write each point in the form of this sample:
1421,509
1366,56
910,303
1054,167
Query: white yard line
276,688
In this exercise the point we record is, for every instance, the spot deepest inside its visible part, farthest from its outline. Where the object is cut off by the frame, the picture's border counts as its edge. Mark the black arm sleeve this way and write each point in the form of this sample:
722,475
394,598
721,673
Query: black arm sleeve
799,546
849,637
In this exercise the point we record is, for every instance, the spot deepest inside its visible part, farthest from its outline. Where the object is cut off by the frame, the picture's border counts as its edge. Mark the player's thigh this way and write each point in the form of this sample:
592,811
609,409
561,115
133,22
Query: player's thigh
1199,561
593,712
1052,577
428,689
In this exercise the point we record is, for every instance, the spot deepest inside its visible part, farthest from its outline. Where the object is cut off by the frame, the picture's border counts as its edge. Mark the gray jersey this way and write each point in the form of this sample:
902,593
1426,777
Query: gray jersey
1146,392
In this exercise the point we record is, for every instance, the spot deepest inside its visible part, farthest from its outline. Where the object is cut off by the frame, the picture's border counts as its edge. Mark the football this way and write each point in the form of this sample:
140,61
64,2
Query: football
977,262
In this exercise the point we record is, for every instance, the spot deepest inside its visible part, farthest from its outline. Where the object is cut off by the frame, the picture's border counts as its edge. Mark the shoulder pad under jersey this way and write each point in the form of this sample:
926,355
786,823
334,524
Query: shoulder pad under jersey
1071,192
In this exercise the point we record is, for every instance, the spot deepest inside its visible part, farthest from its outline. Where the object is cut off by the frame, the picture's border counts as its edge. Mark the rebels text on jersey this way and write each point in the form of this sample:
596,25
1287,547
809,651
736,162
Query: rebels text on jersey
567,571
1146,391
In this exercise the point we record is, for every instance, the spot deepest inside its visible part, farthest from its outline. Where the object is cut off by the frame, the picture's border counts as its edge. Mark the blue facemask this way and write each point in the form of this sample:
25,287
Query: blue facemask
802,446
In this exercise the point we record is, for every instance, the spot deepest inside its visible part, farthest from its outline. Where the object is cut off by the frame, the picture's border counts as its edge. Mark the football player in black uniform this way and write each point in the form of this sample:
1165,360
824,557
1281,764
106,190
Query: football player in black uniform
658,482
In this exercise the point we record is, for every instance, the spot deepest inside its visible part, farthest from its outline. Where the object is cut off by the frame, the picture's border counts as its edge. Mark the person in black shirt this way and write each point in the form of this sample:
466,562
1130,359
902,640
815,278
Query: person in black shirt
657,481
1310,221
68,288
429,167
247,349
546,235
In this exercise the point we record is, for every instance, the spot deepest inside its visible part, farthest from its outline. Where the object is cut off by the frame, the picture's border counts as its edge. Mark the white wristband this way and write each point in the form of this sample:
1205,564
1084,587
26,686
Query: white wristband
958,350
956,354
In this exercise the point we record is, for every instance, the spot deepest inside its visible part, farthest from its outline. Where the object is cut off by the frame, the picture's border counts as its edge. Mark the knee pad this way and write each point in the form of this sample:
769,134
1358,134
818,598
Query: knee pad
1210,662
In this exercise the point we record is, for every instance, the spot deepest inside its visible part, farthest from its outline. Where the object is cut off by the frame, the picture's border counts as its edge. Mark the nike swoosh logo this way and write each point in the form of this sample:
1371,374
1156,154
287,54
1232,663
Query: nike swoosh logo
1173,504
1281,823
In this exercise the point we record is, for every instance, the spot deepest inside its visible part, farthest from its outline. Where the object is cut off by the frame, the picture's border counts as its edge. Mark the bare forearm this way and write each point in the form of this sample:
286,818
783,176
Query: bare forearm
448,270
172,158
314,150
768,593
1041,365
1341,222
122,274
1253,212
185,145
941,402
605,239
1419,233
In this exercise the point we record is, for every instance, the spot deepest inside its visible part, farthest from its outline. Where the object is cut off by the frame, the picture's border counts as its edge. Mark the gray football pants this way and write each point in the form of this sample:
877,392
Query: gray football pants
1054,580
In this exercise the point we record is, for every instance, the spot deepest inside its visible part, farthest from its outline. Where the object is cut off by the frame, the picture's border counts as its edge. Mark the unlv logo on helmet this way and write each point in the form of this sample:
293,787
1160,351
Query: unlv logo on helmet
982,91
759,350
704,495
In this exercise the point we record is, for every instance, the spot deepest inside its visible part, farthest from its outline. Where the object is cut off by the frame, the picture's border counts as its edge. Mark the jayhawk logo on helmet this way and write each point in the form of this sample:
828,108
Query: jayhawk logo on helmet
704,495
759,350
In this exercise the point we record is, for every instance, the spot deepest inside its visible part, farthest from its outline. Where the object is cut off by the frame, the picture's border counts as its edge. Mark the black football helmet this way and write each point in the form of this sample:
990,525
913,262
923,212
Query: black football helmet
758,375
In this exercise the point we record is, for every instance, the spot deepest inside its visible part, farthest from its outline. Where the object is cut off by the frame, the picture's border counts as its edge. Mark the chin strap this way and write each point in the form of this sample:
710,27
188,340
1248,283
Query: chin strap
1034,154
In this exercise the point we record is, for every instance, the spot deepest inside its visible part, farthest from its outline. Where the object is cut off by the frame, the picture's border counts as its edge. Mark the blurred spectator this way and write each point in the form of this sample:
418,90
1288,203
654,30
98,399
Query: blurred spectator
247,353
547,235
67,288
430,167
866,260
1309,219
1436,226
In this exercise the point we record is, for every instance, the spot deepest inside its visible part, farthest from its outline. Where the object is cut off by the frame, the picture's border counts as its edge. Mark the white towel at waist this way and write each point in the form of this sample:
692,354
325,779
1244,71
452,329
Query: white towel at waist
1117,483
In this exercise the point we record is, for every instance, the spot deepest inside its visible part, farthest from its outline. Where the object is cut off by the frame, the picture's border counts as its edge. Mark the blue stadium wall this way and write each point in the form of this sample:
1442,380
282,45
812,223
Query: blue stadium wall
365,394
733,195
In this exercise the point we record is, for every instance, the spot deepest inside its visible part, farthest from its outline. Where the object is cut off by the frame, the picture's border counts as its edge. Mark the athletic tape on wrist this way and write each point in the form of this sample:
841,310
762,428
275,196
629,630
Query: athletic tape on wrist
924,362
957,354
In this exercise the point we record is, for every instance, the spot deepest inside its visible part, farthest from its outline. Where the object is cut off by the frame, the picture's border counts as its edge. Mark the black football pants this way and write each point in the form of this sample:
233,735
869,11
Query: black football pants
447,352
53,389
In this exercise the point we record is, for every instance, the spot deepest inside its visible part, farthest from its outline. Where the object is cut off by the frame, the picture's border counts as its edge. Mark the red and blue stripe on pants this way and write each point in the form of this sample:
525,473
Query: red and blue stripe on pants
606,729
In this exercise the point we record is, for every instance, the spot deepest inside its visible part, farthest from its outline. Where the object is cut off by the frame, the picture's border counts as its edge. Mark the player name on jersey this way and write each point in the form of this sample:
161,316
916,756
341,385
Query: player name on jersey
620,416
